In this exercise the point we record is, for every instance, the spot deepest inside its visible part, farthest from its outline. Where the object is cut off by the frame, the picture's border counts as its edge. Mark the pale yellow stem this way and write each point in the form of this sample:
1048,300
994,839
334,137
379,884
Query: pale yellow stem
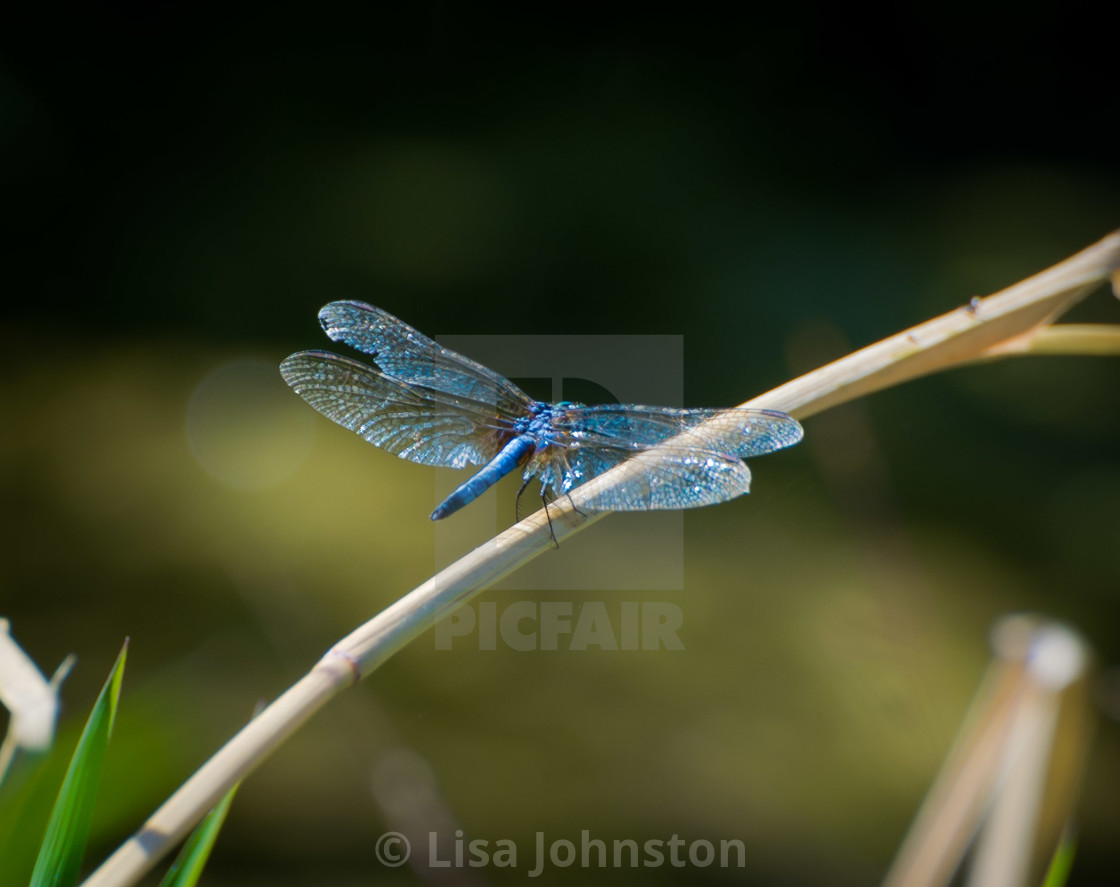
1088,339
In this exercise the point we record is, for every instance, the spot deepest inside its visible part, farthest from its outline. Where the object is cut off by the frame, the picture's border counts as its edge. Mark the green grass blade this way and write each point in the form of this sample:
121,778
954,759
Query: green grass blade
1062,862
188,865
60,855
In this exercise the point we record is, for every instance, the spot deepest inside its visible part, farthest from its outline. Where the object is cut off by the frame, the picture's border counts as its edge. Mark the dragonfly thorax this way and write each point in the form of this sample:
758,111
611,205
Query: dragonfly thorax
539,421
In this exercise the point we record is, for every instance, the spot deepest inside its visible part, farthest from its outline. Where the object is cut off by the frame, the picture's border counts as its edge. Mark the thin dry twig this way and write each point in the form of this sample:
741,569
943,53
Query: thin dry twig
1005,323
994,779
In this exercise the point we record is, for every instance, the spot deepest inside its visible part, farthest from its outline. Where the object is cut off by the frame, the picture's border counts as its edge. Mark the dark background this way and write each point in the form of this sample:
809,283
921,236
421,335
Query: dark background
184,187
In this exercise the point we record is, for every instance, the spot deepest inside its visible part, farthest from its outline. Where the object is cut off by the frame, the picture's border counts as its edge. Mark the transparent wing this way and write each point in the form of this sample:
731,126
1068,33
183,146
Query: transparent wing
677,476
685,478
408,355
700,468
741,431
419,424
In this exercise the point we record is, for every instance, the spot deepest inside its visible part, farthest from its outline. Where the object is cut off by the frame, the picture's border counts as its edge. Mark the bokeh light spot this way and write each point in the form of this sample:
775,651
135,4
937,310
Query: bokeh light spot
245,428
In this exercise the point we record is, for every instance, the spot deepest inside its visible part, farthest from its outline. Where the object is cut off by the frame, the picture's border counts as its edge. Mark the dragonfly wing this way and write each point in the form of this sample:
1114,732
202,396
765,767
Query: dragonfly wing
747,432
697,468
408,355
740,431
416,423
676,476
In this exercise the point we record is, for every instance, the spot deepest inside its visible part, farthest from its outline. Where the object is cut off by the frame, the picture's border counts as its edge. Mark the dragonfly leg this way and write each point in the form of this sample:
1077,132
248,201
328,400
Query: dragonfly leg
573,504
517,503
548,516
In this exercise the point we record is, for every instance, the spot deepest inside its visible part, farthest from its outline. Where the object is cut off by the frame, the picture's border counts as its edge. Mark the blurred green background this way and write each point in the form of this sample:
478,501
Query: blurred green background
183,189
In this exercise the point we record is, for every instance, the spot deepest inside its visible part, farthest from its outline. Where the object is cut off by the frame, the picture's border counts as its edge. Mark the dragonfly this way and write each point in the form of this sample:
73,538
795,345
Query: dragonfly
429,405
